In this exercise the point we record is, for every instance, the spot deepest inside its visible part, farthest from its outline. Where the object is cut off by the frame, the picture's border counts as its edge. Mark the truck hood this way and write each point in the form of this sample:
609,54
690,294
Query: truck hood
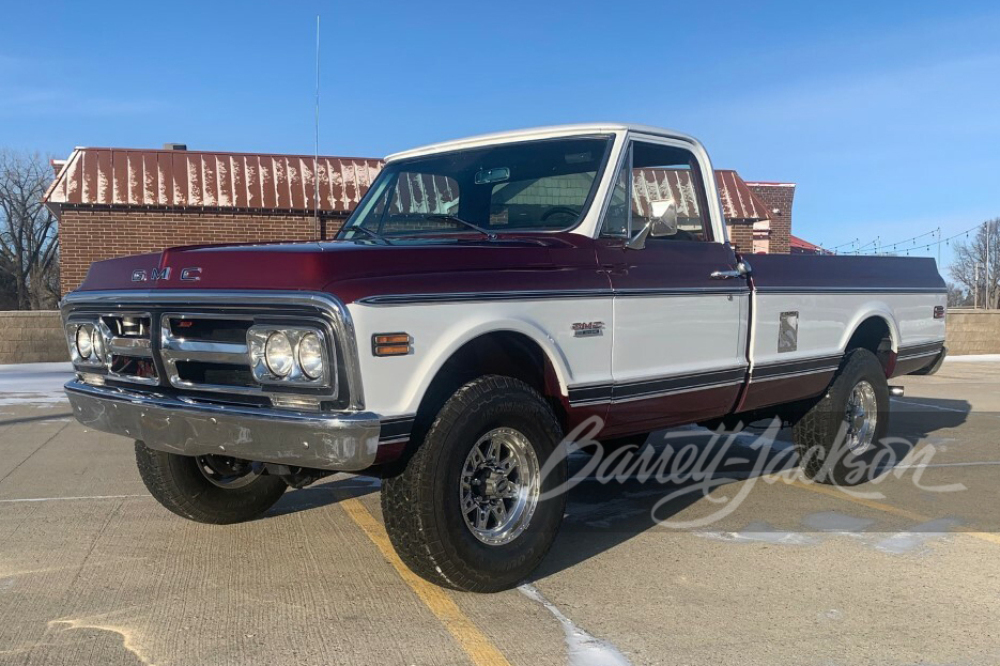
357,269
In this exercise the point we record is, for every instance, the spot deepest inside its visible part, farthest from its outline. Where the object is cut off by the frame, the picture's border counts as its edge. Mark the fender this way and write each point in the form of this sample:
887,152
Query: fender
455,338
867,311
437,337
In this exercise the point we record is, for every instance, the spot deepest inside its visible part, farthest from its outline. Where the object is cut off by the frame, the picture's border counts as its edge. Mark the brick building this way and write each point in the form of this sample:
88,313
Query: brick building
113,202
777,198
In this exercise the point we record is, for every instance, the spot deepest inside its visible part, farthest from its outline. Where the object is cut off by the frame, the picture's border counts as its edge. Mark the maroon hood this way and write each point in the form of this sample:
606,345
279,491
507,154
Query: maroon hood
353,270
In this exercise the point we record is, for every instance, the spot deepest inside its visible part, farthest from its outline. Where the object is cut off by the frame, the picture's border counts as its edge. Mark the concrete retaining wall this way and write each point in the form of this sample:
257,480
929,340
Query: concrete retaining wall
32,337
973,332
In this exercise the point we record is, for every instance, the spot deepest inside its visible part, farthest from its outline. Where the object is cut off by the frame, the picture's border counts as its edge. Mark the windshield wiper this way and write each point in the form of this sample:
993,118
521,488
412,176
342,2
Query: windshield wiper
370,233
458,220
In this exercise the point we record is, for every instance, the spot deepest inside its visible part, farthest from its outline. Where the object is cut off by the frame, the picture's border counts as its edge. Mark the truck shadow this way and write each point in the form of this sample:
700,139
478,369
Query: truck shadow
324,493
604,512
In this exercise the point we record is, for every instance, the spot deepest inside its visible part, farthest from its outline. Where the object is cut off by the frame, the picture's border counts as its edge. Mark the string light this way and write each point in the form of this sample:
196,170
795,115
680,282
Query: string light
859,249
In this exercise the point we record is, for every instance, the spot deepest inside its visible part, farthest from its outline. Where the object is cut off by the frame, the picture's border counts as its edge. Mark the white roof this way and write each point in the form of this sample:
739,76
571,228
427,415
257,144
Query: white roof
549,132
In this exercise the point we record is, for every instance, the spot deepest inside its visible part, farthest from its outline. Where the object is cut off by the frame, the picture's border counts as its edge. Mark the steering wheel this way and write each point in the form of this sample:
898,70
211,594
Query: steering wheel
560,210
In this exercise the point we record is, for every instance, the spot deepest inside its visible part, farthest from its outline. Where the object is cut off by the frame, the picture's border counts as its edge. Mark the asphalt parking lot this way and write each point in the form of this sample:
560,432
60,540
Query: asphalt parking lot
768,570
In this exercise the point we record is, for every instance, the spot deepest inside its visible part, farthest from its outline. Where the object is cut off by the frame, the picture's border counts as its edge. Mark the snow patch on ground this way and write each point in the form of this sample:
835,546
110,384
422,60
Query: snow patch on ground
973,358
33,383
583,648
918,538
759,532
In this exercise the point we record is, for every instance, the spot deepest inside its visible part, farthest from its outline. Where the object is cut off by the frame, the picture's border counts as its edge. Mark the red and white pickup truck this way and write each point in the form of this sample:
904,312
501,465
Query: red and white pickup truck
488,295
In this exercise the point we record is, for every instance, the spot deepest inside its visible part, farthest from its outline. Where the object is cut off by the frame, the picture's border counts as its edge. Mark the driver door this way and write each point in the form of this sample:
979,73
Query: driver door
680,334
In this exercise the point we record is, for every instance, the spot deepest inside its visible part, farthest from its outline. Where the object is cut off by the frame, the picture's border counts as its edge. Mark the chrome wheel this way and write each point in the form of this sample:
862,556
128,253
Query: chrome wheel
229,473
861,417
499,488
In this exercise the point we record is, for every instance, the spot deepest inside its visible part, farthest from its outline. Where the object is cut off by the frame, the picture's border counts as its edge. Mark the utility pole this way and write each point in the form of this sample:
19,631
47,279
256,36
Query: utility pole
975,289
987,268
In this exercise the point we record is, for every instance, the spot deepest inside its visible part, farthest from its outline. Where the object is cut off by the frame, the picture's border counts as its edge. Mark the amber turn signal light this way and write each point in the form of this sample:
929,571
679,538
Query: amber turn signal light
392,344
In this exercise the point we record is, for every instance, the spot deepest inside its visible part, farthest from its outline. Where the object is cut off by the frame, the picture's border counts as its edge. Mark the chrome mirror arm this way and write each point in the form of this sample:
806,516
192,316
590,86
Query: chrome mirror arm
638,241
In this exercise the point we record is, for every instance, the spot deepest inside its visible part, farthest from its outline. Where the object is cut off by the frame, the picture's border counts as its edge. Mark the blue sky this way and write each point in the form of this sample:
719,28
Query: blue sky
884,113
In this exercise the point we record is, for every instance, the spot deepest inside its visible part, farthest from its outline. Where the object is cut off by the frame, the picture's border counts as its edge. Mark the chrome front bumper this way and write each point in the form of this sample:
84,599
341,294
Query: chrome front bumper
345,441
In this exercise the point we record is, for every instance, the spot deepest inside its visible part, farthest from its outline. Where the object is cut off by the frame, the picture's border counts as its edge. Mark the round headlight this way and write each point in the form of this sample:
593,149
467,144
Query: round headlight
278,354
311,356
97,340
85,341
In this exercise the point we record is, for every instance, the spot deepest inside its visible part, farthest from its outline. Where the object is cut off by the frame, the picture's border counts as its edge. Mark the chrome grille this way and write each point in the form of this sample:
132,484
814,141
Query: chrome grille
194,357
128,340
221,317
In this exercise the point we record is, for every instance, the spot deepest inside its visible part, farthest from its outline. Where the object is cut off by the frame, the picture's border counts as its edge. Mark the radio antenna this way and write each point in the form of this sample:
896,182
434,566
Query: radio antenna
316,147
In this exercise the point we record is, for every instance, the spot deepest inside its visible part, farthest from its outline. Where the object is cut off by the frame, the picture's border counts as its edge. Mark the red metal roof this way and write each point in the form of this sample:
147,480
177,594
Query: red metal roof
247,181
124,177
739,203
804,246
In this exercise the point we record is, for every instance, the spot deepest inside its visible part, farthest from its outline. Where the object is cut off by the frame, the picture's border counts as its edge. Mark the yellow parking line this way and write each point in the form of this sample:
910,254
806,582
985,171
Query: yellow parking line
833,491
479,648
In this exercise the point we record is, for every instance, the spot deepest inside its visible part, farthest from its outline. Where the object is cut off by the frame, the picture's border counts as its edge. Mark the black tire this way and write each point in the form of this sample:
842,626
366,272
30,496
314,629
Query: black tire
421,503
819,434
177,483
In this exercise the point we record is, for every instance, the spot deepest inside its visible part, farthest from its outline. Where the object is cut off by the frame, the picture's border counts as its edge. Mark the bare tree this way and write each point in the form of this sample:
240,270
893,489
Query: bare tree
958,297
969,267
29,243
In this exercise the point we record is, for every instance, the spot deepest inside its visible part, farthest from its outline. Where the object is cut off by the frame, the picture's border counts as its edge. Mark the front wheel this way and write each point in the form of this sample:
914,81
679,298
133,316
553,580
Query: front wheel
466,510
208,489
839,439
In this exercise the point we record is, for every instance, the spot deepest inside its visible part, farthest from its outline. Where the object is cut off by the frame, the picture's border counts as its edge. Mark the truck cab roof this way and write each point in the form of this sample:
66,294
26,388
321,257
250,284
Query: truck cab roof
535,133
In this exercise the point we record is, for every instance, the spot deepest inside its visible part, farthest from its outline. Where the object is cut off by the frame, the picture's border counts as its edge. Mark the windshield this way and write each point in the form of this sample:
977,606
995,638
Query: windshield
529,186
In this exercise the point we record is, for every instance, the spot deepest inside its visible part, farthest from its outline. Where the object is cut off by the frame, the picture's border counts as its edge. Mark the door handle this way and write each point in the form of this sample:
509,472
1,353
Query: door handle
742,270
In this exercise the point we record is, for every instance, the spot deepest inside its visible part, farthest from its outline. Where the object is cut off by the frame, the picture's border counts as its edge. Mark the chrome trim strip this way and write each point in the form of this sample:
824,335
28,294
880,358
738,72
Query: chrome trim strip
933,346
340,316
661,394
909,357
788,375
131,347
602,393
413,299
801,365
682,291
176,349
775,291
343,441
470,297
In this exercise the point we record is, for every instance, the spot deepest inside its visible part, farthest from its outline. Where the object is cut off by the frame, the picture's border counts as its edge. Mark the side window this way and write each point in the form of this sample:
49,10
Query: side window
616,216
665,173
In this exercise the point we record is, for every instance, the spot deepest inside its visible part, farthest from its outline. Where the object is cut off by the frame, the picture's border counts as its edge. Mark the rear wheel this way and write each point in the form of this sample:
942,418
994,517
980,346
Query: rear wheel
208,489
466,511
840,437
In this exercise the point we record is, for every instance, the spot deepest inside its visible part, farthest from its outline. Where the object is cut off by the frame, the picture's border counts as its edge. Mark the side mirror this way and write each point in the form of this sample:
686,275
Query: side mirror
662,223
663,219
